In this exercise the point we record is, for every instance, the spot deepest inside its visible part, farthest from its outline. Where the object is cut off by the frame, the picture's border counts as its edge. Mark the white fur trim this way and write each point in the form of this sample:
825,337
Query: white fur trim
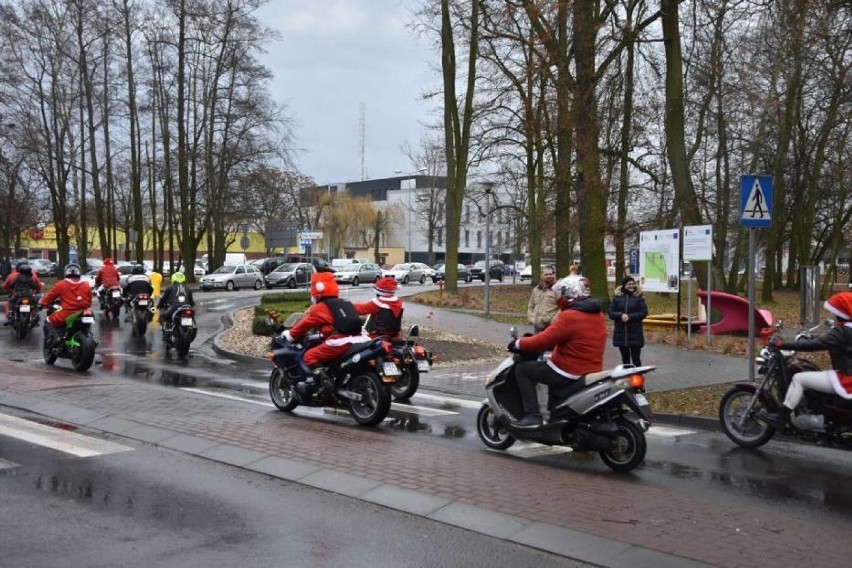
565,374
320,286
338,341
829,307
287,335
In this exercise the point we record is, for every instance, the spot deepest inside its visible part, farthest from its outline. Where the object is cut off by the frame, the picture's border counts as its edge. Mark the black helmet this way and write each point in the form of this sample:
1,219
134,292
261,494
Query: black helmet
20,264
72,270
25,268
138,269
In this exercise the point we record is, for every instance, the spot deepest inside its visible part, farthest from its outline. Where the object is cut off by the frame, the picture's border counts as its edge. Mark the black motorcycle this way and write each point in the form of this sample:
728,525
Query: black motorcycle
111,302
412,360
141,313
356,382
179,332
74,342
24,313
608,414
821,418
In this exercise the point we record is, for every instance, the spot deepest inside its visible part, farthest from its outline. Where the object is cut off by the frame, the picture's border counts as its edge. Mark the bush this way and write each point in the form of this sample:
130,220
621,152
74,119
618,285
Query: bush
277,307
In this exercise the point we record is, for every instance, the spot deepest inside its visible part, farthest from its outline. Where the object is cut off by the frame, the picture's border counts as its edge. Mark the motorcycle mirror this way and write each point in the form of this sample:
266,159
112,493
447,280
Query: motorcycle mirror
513,331
414,331
828,322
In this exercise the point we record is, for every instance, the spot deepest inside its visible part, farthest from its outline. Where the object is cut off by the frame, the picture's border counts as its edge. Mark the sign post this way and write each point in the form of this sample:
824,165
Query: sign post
755,212
698,245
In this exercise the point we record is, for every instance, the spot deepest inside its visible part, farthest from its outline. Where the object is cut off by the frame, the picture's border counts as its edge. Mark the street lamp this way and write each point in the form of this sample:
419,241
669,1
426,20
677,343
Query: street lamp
410,189
488,186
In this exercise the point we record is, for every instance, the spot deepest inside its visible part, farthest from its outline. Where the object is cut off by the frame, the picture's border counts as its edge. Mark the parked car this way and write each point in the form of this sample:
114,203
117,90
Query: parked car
495,269
290,274
233,276
267,265
407,272
89,277
463,273
427,270
124,272
526,272
357,272
43,267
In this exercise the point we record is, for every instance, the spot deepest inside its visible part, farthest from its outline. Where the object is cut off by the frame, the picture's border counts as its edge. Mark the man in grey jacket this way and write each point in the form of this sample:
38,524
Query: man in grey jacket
542,307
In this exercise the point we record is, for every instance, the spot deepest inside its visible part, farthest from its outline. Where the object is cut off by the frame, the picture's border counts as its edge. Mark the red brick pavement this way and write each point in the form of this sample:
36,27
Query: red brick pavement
608,506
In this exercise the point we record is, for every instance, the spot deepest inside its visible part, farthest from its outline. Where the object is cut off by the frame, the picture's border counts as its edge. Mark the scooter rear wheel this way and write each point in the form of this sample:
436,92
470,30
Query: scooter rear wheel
630,447
492,430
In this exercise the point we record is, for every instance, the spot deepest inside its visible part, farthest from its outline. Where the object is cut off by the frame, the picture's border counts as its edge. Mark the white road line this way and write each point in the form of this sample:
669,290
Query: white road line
4,464
54,438
228,396
669,431
449,401
421,410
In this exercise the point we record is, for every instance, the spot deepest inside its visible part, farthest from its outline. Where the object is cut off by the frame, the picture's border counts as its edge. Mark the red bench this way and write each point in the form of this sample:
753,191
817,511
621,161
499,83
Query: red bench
734,313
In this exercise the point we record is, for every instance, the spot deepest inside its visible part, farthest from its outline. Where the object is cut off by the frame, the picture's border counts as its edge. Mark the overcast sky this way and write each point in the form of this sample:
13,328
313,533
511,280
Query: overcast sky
336,54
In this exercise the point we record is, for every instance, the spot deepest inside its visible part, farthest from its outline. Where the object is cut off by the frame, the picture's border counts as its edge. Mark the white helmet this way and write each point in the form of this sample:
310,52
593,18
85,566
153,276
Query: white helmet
573,287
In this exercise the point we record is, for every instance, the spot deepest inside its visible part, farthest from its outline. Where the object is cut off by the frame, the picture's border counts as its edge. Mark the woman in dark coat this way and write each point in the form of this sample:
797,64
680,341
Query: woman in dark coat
627,311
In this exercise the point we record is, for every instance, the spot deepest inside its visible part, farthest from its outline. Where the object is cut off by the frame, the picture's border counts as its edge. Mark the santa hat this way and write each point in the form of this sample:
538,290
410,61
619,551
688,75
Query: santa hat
386,286
324,286
840,305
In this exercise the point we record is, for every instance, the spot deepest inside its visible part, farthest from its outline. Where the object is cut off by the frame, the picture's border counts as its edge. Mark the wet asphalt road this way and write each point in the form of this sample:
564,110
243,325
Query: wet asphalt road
800,480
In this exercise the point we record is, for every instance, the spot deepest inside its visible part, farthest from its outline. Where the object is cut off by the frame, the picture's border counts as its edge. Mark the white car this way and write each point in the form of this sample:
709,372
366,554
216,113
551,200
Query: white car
233,276
407,272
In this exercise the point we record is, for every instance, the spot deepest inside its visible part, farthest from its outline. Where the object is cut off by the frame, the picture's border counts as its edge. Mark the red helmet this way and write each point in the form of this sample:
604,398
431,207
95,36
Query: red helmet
386,286
107,261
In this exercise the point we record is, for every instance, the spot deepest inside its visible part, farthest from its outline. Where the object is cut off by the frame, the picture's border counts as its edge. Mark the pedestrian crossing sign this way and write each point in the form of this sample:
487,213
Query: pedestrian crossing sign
755,201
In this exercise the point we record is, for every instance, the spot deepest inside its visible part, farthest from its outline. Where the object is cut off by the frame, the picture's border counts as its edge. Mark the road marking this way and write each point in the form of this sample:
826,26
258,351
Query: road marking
4,464
227,396
54,438
669,431
421,410
450,401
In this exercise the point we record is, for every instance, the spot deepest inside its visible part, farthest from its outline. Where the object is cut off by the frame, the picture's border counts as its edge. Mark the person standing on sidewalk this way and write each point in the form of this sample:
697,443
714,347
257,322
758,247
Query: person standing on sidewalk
542,307
627,311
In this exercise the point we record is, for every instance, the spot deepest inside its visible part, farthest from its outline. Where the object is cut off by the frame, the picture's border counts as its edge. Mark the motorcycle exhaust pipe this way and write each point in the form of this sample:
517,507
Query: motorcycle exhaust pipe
643,424
350,395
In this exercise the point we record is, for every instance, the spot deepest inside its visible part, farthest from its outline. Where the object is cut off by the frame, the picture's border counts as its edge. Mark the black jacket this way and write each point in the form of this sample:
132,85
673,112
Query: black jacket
629,333
138,284
171,294
837,341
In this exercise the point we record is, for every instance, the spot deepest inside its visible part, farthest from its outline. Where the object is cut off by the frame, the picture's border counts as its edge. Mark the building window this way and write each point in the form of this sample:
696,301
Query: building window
479,239
440,235
467,238
467,213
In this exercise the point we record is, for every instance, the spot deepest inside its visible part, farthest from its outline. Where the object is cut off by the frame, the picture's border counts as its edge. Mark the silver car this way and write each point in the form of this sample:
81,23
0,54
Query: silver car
291,274
233,276
407,272
357,272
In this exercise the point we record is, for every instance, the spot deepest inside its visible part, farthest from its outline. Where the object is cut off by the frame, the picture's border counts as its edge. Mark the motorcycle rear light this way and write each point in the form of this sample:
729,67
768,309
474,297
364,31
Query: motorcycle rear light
637,381
387,347
187,313
25,301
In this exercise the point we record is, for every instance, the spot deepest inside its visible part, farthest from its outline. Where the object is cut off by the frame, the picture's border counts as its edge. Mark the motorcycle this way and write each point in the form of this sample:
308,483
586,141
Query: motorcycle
821,418
141,313
111,302
24,312
356,382
74,342
412,359
180,331
595,418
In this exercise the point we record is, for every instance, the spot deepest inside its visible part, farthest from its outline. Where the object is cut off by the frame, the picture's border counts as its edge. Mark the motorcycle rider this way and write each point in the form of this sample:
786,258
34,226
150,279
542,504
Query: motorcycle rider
74,296
385,310
577,336
338,322
137,283
171,299
836,381
20,283
106,278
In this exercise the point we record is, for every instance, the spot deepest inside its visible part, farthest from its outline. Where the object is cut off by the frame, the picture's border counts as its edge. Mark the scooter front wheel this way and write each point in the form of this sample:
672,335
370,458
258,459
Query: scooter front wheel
492,430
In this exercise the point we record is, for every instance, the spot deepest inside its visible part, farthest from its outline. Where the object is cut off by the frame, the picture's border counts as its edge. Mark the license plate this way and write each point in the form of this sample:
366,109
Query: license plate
25,308
391,369
88,319
116,294
640,398
186,321
423,365
143,302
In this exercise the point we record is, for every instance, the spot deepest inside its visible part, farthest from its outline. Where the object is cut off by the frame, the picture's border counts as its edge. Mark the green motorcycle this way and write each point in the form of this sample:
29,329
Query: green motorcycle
74,342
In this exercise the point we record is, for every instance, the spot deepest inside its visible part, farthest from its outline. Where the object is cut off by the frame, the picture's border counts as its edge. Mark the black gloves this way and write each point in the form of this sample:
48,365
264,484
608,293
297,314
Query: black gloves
512,348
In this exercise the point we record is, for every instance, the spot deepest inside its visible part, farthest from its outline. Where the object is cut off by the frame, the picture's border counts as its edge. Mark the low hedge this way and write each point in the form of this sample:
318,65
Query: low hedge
277,306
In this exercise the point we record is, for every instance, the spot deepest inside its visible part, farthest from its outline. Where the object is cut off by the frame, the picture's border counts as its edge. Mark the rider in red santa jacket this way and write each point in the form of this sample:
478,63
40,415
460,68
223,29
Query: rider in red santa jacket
335,318
74,296
385,310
